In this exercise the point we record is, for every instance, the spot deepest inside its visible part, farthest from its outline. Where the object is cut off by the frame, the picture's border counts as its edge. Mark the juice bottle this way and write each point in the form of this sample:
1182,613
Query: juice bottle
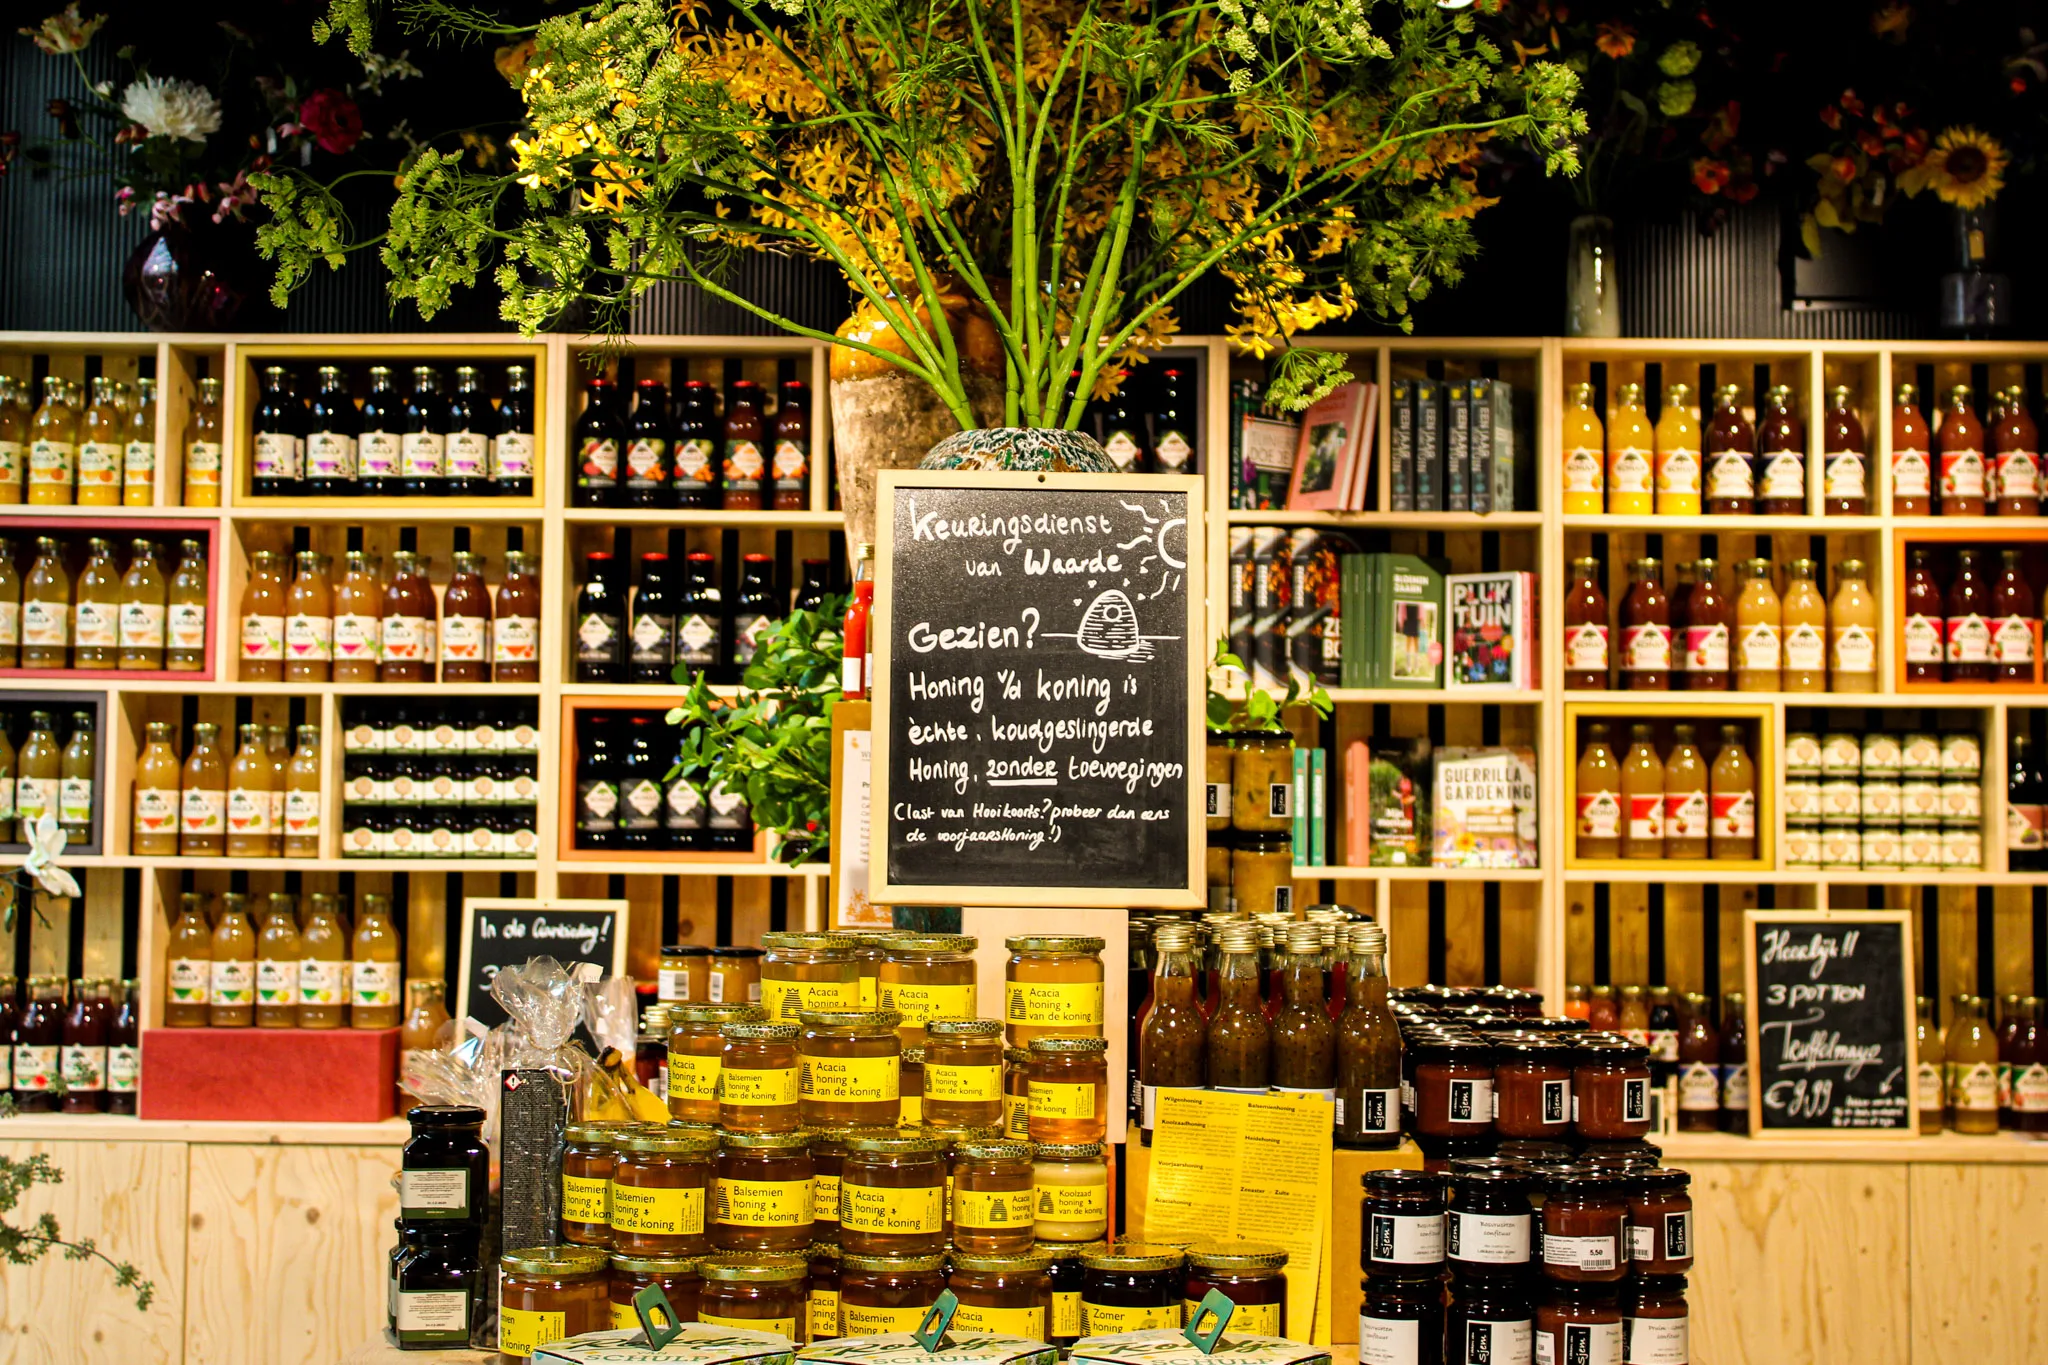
278,953
277,748
96,620
155,832
1699,1067
1734,1064
102,435
77,772
1678,455
1930,1086
1971,1052
1709,615
1585,454
792,463
185,623
53,447
1642,798
745,434
203,448
1758,641
358,620
373,1001
324,978
1803,618
426,1012
10,606
144,609
46,609
2007,1035
466,623
1844,460
1586,658
1968,623
138,453
408,616
83,1059
1685,797
13,439
39,773
515,631
263,611
1632,1020
1599,797
1960,439
1852,631
2012,622
302,797
1631,446
1731,456
203,795
1731,794
2015,471
1645,631
1912,487
231,1003
8,758
1781,456
2029,1069
249,786
189,972
308,620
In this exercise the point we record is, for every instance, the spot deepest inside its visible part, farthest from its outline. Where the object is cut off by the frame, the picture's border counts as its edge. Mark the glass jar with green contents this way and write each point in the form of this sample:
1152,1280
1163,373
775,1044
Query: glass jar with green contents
676,1276
1008,1294
992,1197
1052,987
757,1078
1262,781
661,1181
549,1294
587,1154
963,1071
1070,1192
761,1197
927,976
879,1294
756,1292
892,1195
808,971
850,1069
694,1046
1069,1089
822,1295
1262,874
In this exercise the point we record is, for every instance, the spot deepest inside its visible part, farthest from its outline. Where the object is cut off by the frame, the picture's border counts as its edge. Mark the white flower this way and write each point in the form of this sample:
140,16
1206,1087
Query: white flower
45,845
171,108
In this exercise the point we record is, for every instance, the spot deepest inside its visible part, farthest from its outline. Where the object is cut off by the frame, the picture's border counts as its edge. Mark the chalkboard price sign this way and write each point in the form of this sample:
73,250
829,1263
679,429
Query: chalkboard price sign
1038,685
1831,1027
497,934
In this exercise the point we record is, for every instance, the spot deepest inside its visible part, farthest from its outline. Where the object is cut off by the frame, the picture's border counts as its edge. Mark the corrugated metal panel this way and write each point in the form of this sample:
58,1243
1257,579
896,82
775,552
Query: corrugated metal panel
807,292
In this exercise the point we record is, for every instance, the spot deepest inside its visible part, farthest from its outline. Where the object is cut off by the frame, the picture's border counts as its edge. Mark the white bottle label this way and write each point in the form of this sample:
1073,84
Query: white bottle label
469,455
309,639
301,812
1491,1238
202,464
277,456
45,624
99,625
85,1068
277,983
330,455
1646,649
1805,650
262,637
156,810
248,811
1909,474
124,1068
1587,1253
1760,648
425,454
188,625
1678,470
234,983
1389,1341
404,637
142,625
1658,1341
323,983
512,454
1855,650
357,638
35,1067
2012,640
515,639
1600,815
1730,475
1685,817
1586,649
203,812
1629,471
190,978
1842,476
1582,470
462,638
1784,476
1699,1088
74,801
378,454
376,984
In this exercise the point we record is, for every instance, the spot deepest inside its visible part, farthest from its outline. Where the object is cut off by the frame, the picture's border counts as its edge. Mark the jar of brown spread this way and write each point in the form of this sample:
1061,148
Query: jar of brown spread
1532,1086
1660,1222
1585,1225
1611,1091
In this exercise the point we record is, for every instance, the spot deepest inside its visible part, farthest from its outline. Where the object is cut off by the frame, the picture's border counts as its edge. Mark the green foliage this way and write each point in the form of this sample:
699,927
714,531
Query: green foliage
1258,709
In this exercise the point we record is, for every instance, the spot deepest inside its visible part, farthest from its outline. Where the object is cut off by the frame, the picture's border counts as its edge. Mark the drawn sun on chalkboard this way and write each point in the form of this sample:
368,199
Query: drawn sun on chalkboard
1109,626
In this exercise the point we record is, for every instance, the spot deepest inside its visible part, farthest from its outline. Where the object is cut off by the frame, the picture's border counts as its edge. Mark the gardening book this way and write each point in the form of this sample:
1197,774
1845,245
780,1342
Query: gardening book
1399,638
1333,440
1483,811
1492,631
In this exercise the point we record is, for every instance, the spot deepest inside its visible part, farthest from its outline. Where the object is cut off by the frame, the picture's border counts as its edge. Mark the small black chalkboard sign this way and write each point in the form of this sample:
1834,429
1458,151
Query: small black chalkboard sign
1831,1025
497,934
1039,674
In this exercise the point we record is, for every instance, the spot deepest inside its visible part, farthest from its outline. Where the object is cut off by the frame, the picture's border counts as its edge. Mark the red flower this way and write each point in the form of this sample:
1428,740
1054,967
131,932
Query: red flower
1843,169
1851,104
1871,143
333,119
1709,176
1831,116
1742,191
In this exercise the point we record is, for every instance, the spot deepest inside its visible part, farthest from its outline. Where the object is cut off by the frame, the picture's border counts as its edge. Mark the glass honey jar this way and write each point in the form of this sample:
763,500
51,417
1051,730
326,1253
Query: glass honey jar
757,1078
879,1294
828,1158
761,1197
867,952
963,1071
587,1153
1069,1089
761,1292
992,1197
695,1044
685,975
1070,1192
849,1069
808,971
892,1195
822,1295
1017,1094
661,1181
927,976
1006,1293
548,1294
675,1275
1052,987
910,1089
735,976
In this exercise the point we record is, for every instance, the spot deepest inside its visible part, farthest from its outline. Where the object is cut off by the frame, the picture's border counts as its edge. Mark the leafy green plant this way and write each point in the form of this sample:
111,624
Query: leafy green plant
774,740
1257,709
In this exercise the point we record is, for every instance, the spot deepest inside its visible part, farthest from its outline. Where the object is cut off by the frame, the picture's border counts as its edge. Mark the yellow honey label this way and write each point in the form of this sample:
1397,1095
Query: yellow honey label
873,1322
910,1111
785,1000
762,1203
824,1312
1062,1099
780,1326
692,1078
585,1200
521,1333
1048,1004
964,1083
624,1315
863,1208
917,1002
1257,1319
849,1079
825,1199
757,1089
1066,1313
1101,1319
991,1208
1028,1323
1016,1117
666,1213
1071,1203
869,993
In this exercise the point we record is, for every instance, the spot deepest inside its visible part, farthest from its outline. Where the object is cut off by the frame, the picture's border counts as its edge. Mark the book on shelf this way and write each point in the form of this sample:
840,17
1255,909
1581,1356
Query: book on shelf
1398,815
1331,449
1315,624
1396,603
1427,397
1452,445
1272,597
1493,634
1401,447
1457,425
1483,808
1262,446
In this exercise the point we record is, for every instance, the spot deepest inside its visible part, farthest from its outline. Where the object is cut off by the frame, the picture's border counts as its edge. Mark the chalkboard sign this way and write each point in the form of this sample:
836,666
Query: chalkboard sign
1831,1027
497,934
1038,690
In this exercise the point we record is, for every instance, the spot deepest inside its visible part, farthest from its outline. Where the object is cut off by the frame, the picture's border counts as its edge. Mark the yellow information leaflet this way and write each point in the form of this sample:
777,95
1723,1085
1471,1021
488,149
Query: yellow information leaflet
1250,1166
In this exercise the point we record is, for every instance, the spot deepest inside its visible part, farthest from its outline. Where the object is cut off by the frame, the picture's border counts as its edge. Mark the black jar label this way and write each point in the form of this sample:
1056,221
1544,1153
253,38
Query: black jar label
1635,1101
1557,1101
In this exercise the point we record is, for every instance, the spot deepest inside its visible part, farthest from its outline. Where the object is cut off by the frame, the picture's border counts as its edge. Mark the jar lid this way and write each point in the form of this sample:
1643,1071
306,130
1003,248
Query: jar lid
735,952
1259,739
1055,943
1069,1251
1266,841
596,1130
1078,1045
1066,1151
685,950
822,1251
893,1144
561,1260
1663,1178
834,1139
656,1265
444,1116
930,943
804,938
1573,1180
1523,1151
995,1151
1237,1255
1529,1047
762,1033
1016,1056
716,1014
914,1055
1623,1053
669,1142
1035,1259
766,1142
964,1028
953,1134
1135,1256
1505,1176
852,1021
1626,1155
765,1267
1396,1180
909,1265
1458,1049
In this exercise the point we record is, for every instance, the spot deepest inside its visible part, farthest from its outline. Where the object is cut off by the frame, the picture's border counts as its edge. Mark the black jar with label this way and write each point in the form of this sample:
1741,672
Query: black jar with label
1401,1320
445,1170
1489,1322
440,1285
1402,1218
1131,1287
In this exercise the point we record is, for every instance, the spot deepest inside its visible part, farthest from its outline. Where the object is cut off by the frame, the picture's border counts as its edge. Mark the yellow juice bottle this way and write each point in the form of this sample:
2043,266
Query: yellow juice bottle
1585,455
1631,445
1678,455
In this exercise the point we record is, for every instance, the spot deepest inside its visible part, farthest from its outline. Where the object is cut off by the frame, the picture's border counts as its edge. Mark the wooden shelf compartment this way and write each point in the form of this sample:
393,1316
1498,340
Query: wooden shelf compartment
1761,721
75,530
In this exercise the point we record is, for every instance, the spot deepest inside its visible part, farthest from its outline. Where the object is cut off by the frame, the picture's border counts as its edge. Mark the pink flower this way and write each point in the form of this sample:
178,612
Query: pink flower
333,119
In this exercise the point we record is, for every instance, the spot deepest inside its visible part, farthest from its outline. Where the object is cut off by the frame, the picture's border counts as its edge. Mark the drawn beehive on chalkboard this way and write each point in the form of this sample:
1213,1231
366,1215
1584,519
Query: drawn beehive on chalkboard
1109,629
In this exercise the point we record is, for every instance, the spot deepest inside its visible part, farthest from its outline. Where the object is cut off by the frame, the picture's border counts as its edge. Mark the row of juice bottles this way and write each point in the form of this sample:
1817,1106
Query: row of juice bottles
1679,806
365,627
1703,636
44,776
264,801
313,971
133,618
92,1045
66,452
1705,1061
1979,628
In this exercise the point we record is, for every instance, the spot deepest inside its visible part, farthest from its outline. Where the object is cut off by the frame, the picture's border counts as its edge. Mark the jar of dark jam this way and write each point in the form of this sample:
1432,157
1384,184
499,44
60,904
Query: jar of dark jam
1656,1325
1578,1322
1611,1091
1253,1275
1402,1320
1066,1275
1402,1218
1660,1222
445,1170
1532,1087
880,1294
1489,1322
1129,1287
1454,1088
1585,1224
1489,1226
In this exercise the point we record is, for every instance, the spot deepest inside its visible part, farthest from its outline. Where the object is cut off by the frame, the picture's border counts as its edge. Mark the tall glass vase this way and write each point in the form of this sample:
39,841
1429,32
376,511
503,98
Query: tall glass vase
1976,300
1592,292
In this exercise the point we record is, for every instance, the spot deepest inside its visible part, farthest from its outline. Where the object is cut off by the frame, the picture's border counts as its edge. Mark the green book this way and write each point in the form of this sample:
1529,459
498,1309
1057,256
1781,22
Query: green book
1409,626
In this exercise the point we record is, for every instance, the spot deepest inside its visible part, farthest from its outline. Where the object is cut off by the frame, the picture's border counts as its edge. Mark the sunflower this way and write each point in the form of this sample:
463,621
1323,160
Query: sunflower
1964,168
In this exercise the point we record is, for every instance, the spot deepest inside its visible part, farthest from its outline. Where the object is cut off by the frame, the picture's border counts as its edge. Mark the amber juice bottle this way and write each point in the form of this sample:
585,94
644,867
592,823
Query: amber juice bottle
101,438
1844,461
324,976
232,1001
185,628
250,783
189,966
1685,797
2015,471
1781,456
144,609
1240,1037
138,454
263,612
1368,1049
1304,1038
309,621
203,796
1730,456
1803,616
1642,798
1930,1087
466,623
1600,810
1631,445
203,447
1960,439
1971,1050
1731,793
96,620
155,831
408,621
302,804
10,607
13,440
515,631
1585,454
1171,1042
53,446
46,609
358,620
278,953
1911,470
378,973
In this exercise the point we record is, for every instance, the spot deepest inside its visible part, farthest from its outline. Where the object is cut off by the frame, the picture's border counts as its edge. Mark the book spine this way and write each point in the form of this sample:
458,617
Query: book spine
1271,583
1528,658
1401,447
1503,446
1357,804
1240,587
1480,404
1301,803
1244,401
1457,449
1429,446
1318,809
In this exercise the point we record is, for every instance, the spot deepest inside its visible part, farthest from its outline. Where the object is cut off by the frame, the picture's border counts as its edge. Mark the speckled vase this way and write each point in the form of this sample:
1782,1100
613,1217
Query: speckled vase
1031,449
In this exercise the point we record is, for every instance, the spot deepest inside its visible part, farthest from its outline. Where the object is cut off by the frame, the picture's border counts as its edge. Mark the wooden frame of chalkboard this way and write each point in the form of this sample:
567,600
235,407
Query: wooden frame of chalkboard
1126,866
540,947
1837,936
